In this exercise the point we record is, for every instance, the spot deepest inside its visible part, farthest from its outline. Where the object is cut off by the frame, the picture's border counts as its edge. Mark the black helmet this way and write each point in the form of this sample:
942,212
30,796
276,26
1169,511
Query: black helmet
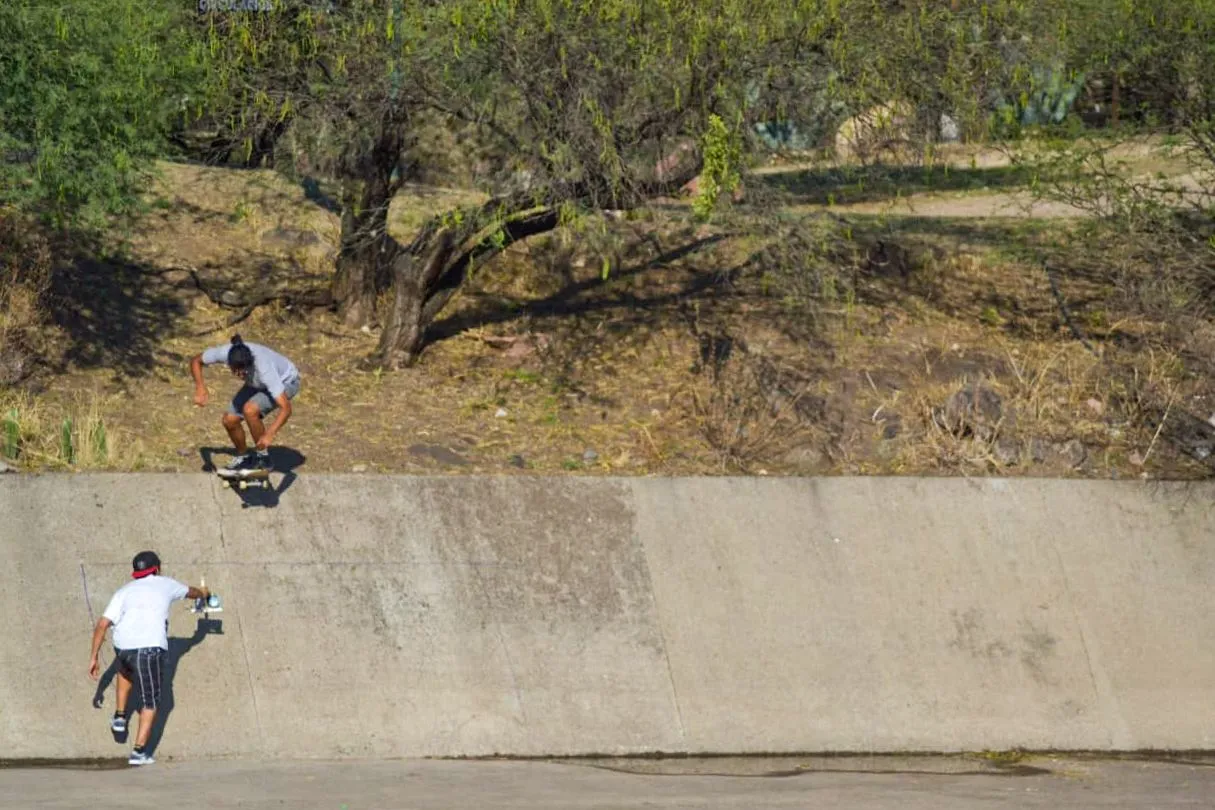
145,563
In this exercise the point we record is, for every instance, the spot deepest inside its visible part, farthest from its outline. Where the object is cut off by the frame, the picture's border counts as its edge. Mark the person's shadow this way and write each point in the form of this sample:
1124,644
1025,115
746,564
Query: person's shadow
178,647
283,460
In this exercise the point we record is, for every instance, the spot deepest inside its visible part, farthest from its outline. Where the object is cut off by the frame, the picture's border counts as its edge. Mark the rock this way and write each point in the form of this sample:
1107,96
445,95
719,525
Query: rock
894,426
589,456
359,468
517,461
1072,452
806,459
438,453
289,238
1039,450
16,363
1136,459
231,298
185,452
177,278
1007,453
500,413
4,468
1096,406
973,411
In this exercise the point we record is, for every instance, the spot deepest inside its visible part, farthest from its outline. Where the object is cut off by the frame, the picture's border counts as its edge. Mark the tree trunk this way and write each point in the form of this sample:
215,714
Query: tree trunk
432,269
367,251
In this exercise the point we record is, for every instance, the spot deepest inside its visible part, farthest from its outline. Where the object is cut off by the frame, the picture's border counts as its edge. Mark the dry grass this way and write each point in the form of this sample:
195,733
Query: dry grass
601,381
37,434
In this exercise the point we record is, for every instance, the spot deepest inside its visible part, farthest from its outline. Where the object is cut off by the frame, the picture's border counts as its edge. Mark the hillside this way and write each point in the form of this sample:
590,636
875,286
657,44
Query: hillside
947,354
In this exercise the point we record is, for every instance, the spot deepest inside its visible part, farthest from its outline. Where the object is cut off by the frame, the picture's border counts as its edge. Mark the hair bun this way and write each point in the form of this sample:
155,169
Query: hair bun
236,340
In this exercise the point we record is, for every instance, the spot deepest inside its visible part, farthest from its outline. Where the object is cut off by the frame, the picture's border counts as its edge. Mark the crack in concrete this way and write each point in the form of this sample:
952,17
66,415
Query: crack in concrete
240,629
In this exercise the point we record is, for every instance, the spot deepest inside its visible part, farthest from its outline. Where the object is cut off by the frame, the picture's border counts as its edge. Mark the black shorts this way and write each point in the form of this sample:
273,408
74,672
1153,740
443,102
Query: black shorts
145,668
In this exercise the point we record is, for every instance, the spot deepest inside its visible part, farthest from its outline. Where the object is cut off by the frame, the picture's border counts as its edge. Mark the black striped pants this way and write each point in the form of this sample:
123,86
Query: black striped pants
145,668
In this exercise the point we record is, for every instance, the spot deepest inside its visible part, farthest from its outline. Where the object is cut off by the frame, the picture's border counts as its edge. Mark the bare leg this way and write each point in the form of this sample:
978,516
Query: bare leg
236,431
146,718
253,416
122,691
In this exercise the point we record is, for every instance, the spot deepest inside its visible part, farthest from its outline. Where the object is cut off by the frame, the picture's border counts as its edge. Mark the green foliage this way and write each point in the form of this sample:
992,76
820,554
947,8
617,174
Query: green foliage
88,92
722,155
67,450
11,435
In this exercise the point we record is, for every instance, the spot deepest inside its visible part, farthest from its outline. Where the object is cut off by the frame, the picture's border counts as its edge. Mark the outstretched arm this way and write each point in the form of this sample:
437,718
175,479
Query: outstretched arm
99,630
198,593
200,388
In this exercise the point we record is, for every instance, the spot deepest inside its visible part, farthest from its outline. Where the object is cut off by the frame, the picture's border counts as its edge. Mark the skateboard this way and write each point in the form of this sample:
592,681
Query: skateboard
245,478
212,604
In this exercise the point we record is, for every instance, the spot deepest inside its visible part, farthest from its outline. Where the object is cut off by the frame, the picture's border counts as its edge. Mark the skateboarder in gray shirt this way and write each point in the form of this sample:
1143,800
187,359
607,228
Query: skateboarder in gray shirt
271,381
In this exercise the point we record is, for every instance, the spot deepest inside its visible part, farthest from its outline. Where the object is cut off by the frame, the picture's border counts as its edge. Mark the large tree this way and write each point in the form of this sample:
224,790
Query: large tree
580,106
88,89
581,100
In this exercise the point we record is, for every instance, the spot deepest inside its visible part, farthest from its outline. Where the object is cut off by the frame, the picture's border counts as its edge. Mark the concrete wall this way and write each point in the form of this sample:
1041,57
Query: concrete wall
397,616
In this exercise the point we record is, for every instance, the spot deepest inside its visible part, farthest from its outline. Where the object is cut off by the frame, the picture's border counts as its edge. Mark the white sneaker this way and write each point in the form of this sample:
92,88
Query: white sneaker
140,758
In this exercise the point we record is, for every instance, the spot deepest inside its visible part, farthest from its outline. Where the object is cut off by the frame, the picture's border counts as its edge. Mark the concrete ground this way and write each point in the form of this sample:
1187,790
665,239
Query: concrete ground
880,783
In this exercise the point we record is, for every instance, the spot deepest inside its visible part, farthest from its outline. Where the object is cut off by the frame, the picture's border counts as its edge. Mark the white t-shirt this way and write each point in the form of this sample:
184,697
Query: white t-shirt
140,612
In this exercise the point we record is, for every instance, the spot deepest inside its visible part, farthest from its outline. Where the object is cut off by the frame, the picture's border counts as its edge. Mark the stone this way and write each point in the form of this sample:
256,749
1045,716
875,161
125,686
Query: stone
4,468
231,298
359,468
1073,452
518,461
589,456
806,459
1136,459
975,410
289,238
438,453
177,278
1007,452
500,413
1096,406
1039,450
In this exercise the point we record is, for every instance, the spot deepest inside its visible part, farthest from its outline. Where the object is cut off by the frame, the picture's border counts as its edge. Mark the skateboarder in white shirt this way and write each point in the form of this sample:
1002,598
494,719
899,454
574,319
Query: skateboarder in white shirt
271,381
139,614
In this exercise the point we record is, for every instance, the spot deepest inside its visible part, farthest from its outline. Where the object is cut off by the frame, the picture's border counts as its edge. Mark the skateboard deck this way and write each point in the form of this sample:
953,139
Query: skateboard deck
244,478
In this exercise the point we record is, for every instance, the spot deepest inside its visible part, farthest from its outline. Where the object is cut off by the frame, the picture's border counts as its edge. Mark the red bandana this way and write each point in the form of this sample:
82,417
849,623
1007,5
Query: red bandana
147,572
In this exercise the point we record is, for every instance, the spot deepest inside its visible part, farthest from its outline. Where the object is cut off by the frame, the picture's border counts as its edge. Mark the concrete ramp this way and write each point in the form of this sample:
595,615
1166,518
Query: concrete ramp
382,616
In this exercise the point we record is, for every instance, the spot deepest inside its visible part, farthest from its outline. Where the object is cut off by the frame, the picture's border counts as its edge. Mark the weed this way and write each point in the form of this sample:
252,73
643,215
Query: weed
34,433
990,316
242,212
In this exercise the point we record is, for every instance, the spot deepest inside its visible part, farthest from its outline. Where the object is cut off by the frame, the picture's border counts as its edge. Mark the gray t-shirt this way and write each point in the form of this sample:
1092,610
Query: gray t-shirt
271,371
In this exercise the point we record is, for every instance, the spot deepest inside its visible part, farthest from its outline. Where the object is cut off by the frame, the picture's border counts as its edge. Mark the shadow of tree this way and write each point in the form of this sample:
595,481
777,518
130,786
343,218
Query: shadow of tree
574,299
862,184
113,312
